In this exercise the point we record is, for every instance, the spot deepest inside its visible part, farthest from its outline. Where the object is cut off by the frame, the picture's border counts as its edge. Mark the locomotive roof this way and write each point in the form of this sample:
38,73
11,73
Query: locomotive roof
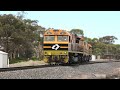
56,32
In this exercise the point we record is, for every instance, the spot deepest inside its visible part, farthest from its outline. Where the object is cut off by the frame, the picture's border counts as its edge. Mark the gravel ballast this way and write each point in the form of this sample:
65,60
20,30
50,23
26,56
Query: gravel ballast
87,71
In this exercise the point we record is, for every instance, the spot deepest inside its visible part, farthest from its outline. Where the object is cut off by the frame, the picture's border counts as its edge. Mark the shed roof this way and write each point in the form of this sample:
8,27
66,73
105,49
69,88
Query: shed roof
1,52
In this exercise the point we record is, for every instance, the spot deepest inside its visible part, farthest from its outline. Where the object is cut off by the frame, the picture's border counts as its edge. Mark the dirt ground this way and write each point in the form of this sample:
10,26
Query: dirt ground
28,63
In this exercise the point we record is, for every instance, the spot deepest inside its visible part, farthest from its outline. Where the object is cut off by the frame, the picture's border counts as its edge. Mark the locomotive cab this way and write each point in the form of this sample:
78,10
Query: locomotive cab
56,46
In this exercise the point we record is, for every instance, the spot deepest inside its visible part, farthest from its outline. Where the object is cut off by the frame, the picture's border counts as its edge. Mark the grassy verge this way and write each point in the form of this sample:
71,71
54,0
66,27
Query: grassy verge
17,61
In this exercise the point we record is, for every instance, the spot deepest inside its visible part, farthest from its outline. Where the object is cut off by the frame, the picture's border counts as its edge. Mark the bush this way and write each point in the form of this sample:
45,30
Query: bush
17,60
34,58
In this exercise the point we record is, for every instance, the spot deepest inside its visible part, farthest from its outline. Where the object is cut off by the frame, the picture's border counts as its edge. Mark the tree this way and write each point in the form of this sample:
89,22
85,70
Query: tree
21,15
8,27
78,32
17,35
38,42
108,39
95,40
100,47
89,40
97,51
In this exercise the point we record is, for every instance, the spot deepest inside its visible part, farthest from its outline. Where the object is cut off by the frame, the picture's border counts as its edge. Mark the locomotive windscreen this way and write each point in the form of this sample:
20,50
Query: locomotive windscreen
49,38
62,38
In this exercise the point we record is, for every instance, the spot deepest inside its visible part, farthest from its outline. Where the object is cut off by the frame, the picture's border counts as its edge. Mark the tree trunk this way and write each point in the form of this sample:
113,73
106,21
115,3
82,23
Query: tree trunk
14,54
11,56
18,53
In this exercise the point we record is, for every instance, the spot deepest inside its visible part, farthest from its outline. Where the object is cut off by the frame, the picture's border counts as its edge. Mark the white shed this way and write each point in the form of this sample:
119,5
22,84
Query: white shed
93,58
4,61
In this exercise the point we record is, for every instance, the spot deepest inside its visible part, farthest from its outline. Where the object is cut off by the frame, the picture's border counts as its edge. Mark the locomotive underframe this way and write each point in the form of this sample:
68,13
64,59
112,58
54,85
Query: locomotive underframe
64,56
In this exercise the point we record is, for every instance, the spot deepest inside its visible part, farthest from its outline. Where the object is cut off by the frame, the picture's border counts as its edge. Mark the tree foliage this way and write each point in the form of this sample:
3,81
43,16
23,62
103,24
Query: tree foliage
108,39
17,35
78,32
104,46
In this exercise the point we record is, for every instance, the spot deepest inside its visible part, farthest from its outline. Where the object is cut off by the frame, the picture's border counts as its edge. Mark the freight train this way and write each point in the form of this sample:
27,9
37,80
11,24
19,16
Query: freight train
64,47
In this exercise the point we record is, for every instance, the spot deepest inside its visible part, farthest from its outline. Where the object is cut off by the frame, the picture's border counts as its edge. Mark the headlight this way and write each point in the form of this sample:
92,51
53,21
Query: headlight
65,52
45,52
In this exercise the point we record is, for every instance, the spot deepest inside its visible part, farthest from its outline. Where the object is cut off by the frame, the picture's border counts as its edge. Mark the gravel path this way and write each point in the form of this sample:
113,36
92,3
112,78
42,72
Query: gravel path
89,71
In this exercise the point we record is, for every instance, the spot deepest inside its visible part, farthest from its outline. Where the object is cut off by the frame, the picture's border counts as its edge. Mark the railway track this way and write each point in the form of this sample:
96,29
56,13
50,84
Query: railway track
54,65
25,67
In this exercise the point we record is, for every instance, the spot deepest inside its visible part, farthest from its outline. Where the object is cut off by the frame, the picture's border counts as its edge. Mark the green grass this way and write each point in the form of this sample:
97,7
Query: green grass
17,61
34,58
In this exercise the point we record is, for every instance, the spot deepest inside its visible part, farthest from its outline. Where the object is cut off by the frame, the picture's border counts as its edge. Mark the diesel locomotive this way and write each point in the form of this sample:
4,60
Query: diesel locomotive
61,46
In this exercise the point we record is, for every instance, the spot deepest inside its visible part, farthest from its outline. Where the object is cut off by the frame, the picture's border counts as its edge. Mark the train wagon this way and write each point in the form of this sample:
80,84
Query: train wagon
63,47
